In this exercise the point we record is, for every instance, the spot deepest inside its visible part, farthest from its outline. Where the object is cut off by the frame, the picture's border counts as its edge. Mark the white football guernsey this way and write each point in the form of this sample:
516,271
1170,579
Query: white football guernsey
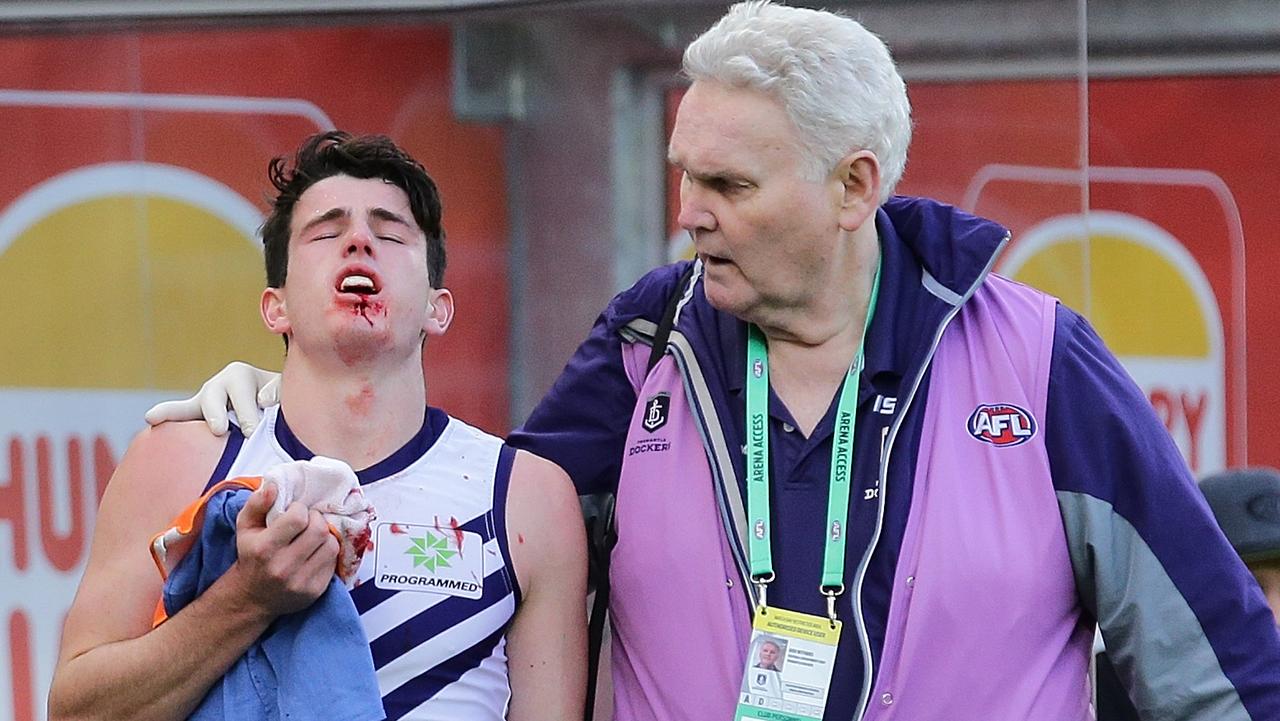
436,592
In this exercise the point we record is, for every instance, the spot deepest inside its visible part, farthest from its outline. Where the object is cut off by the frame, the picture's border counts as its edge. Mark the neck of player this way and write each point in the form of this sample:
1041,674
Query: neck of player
360,414
811,346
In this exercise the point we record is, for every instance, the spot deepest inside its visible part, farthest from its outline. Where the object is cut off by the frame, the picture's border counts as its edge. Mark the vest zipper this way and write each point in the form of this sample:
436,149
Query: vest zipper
859,622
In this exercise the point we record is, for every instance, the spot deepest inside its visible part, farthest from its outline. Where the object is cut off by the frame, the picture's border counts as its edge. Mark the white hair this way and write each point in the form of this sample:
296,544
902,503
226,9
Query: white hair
834,77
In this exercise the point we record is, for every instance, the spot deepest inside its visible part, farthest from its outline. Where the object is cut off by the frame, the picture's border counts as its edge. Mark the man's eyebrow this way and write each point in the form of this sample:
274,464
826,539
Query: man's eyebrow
716,174
707,173
331,214
384,214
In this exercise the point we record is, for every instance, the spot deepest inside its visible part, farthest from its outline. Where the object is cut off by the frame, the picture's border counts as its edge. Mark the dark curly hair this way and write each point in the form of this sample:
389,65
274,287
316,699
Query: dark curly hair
339,153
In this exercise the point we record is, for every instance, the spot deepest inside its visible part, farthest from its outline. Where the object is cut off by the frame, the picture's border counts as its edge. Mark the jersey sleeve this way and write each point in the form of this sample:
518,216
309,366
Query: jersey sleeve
1184,622
581,423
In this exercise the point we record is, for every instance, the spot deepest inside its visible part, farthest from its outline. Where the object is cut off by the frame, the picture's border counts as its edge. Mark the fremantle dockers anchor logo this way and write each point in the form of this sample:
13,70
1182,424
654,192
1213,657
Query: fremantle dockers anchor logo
655,412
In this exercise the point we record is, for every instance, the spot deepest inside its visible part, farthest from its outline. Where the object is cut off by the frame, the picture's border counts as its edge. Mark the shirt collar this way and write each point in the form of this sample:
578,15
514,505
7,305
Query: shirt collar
884,353
433,423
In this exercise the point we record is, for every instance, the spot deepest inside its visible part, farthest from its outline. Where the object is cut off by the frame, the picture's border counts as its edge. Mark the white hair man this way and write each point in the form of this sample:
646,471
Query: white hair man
854,421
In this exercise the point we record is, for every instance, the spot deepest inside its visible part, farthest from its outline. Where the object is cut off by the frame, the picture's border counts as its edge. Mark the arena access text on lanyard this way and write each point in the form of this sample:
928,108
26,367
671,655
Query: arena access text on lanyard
760,535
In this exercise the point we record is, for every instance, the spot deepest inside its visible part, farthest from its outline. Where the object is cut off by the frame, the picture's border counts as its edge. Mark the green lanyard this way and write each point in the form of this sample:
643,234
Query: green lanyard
759,533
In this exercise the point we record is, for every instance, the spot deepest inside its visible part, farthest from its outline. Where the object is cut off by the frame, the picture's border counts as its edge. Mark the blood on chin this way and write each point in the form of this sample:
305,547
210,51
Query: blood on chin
369,309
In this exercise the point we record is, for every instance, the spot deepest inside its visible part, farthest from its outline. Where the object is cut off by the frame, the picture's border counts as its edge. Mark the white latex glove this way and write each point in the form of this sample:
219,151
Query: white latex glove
240,386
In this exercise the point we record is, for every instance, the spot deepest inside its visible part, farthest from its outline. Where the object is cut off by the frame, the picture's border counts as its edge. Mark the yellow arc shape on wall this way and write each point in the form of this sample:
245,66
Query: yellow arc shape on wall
1151,303
129,276
1139,302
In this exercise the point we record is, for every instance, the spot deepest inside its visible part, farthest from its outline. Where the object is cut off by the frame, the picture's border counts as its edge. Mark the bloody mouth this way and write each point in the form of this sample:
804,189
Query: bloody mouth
362,305
365,308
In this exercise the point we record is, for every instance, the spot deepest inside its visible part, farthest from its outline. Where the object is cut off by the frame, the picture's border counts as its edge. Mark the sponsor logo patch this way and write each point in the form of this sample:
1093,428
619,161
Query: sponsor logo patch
1001,424
434,559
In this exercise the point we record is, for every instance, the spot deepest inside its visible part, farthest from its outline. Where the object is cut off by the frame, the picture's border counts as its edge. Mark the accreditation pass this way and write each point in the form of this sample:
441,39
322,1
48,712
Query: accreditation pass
789,665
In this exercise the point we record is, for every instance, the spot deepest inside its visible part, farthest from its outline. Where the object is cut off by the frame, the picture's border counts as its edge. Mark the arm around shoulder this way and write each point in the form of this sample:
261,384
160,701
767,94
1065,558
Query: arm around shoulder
546,646
581,423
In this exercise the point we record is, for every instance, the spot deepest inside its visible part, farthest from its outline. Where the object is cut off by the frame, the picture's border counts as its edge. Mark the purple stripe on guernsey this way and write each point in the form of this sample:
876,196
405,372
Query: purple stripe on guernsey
235,439
433,423
501,484
435,620
425,686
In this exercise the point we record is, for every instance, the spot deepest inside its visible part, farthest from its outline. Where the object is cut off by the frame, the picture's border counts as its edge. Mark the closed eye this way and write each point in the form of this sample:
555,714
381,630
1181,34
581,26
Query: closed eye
722,184
726,186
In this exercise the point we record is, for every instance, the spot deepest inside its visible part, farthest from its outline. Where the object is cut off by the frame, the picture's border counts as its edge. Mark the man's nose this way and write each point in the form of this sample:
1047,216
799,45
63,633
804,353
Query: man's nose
360,241
694,214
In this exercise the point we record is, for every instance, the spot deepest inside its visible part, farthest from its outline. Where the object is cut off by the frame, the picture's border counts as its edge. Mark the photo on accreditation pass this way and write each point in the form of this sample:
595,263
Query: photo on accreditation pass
785,678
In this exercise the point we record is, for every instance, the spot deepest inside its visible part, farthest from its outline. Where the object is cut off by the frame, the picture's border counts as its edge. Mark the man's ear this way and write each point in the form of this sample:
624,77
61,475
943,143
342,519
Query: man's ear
439,312
859,176
274,314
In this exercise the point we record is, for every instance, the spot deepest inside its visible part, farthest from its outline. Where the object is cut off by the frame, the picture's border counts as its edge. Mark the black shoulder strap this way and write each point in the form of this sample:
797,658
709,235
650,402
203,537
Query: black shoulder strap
601,539
599,513
668,321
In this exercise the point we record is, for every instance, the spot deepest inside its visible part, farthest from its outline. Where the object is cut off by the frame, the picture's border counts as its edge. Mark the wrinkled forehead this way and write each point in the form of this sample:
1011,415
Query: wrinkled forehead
717,123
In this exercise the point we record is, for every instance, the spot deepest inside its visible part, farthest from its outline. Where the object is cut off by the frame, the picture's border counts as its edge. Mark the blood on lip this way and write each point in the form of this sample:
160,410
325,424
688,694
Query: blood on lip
360,302
366,308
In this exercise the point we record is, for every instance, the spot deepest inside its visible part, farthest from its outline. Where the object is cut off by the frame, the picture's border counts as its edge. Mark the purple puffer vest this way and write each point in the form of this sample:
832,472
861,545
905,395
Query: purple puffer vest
984,623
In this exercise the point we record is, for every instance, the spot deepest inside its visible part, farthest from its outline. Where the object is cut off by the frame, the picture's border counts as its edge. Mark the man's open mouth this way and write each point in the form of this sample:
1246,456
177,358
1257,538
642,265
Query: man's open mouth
359,284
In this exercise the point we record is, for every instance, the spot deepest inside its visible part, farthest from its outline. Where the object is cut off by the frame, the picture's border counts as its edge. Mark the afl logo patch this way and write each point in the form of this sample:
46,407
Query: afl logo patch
655,412
1001,424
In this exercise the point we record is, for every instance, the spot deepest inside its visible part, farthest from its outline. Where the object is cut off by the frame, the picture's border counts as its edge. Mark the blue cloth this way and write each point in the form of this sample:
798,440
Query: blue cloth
313,664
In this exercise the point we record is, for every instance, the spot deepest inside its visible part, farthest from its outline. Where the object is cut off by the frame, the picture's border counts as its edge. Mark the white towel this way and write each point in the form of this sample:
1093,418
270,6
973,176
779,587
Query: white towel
330,487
